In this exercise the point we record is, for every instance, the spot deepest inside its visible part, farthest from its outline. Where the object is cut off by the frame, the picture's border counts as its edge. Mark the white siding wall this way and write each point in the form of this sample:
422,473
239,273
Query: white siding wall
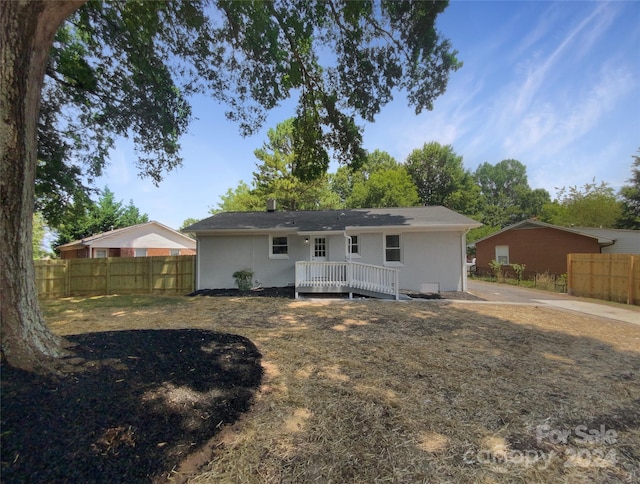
427,258
220,257
432,257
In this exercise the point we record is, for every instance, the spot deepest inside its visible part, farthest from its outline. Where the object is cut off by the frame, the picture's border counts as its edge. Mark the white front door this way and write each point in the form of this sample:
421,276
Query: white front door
319,249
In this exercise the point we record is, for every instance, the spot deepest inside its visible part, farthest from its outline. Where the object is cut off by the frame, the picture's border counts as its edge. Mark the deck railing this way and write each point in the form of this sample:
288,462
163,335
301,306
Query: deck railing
346,277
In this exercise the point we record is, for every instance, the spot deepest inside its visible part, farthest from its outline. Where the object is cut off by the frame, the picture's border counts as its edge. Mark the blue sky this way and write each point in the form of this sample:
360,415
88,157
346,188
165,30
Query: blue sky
555,85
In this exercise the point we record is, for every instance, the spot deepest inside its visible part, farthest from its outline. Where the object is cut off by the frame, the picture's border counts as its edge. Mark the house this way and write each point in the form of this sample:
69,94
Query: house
544,247
146,239
364,251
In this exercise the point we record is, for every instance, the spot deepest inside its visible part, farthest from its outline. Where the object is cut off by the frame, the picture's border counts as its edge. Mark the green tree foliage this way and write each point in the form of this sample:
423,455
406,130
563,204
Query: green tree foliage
39,230
276,176
481,232
240,199
532,202
592,205
276,179
186,223
127,68
104,215
630,194
506,194
346,177
392,187
441,179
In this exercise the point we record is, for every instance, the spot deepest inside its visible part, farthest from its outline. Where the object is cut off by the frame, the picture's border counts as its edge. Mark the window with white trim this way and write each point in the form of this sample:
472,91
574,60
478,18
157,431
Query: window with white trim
100,253
354,245
392,251
140,253
279,247
502,254
174,251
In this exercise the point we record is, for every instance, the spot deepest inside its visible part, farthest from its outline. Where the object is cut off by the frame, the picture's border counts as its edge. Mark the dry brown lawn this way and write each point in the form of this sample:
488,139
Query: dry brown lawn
420,391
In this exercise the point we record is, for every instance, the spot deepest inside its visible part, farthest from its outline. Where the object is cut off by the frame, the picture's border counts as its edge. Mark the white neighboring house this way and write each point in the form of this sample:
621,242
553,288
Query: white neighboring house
424,248
141,240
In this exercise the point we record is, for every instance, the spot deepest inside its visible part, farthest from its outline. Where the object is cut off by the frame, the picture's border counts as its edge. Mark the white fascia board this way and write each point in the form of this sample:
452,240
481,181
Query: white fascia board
320,232
412,228
137,231
236,232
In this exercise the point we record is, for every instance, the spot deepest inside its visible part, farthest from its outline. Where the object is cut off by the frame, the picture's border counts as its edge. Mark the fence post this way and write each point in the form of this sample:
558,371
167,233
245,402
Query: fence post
630,296
193,274
150,269
569,275
108,275
67,277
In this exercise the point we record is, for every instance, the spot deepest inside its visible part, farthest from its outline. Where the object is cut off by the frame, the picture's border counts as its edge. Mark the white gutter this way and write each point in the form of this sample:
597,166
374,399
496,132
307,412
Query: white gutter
198,260
348,247
412,228
463,249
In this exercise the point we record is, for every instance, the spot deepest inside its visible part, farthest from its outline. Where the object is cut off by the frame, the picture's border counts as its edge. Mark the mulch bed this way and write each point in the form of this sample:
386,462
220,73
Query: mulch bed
137,403
289,292
285,292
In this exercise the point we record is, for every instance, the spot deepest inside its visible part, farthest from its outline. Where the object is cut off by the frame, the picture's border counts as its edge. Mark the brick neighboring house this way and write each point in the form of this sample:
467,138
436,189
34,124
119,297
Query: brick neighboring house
544,247
142,240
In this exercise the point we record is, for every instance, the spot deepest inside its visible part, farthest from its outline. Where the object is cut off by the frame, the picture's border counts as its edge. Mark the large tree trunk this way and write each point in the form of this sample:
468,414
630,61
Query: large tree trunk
27,29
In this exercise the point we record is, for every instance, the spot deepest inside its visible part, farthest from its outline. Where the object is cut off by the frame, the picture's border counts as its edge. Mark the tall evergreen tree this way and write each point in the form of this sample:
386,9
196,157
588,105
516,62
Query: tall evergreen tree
630,194
276,176
94,218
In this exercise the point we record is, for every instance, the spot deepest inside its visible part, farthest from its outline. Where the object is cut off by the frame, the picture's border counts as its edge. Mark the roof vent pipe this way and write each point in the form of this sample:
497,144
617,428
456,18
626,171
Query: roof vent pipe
271,205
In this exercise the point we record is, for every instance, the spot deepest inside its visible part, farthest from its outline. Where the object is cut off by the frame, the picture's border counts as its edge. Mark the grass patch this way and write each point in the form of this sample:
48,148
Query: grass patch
53,307
372,391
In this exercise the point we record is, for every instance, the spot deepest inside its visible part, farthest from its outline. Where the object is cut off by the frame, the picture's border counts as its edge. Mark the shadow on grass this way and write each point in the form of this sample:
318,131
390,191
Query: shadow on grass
140,402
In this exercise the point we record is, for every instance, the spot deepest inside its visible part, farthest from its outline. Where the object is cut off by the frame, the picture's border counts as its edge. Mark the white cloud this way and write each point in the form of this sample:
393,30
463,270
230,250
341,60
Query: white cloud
564,119
584,33
118,171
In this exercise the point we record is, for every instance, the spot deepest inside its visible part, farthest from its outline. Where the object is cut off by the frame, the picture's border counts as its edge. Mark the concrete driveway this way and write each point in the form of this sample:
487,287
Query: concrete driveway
519,295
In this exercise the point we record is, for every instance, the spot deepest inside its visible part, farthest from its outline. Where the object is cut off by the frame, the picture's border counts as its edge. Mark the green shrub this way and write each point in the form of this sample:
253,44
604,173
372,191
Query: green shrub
496,267
244,279
519,270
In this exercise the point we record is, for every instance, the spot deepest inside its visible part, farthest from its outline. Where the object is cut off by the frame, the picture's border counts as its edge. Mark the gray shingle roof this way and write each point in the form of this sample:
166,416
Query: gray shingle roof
329,220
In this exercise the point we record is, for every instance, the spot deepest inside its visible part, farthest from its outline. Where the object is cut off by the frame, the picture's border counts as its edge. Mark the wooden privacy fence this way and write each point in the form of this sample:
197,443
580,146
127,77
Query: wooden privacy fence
116,275
611,277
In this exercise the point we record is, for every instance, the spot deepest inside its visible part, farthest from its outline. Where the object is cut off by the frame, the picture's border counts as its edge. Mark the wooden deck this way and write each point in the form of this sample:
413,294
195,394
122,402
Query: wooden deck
347,278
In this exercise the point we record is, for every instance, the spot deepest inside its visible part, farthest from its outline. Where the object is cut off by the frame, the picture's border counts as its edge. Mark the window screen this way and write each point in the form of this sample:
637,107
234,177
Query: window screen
392,248
502,254
279,246
354,248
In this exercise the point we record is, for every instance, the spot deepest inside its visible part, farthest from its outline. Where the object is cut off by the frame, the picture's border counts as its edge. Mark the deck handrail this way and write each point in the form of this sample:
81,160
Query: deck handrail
347,276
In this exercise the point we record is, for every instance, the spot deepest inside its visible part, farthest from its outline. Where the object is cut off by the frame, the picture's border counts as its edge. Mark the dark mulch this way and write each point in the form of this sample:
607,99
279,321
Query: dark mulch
285,292
289,292
138,404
